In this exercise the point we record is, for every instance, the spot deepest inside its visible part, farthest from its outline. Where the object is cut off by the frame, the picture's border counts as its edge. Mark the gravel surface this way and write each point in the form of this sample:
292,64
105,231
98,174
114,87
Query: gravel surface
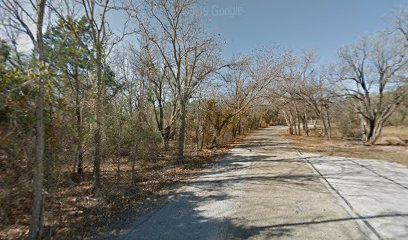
265,189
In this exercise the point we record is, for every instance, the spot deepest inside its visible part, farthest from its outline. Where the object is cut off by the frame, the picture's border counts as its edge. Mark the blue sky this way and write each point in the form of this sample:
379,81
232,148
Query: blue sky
320,25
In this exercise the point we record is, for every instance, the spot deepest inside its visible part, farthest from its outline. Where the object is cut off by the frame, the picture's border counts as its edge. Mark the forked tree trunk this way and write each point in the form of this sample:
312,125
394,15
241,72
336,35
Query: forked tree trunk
371,130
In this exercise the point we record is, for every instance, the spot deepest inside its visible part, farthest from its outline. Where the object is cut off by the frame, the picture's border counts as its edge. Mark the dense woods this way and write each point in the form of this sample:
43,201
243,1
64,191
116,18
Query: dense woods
85,96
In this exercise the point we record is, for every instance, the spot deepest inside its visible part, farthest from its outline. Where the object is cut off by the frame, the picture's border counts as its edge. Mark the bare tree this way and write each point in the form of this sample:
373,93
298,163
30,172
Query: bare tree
95,13
368,70
242,85
401,25
189,56
38,178
155,72
303,93
19,17
315,91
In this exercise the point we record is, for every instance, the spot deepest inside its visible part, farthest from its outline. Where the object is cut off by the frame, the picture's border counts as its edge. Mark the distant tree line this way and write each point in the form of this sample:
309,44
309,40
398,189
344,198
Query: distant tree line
357,94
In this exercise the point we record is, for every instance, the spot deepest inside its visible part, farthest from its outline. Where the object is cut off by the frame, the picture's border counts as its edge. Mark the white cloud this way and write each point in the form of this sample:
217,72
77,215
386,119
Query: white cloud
24,43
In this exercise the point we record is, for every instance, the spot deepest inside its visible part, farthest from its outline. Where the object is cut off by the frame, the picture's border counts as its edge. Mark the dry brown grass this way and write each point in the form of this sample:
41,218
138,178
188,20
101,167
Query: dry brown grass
395,131
337,147
394,135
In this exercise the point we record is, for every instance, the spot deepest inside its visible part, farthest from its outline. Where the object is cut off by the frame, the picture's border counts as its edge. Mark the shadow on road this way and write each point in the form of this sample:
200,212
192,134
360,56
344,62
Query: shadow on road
264,189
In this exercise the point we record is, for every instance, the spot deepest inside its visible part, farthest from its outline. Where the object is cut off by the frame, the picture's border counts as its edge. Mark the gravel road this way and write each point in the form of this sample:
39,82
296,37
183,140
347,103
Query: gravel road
264,189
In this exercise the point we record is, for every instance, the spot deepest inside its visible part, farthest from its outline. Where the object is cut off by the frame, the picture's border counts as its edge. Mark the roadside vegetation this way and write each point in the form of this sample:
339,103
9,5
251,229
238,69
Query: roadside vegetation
97,122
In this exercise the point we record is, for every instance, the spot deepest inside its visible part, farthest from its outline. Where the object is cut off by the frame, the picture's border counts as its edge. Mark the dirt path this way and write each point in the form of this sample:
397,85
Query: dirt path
264,189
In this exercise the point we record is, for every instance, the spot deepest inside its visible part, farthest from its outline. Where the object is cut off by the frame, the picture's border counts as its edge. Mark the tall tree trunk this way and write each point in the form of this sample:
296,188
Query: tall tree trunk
217,137
182,134
99,124
323,120
165,137
166,143
38,166
288,122
329,130
236,129
298,119
293,124
239,128
118,154
306,124
291,130
78,112
203,129
363,126
98,27
197,135
98,149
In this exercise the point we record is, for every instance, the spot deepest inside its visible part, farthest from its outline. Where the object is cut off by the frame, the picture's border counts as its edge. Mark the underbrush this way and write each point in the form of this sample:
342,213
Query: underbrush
74,210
